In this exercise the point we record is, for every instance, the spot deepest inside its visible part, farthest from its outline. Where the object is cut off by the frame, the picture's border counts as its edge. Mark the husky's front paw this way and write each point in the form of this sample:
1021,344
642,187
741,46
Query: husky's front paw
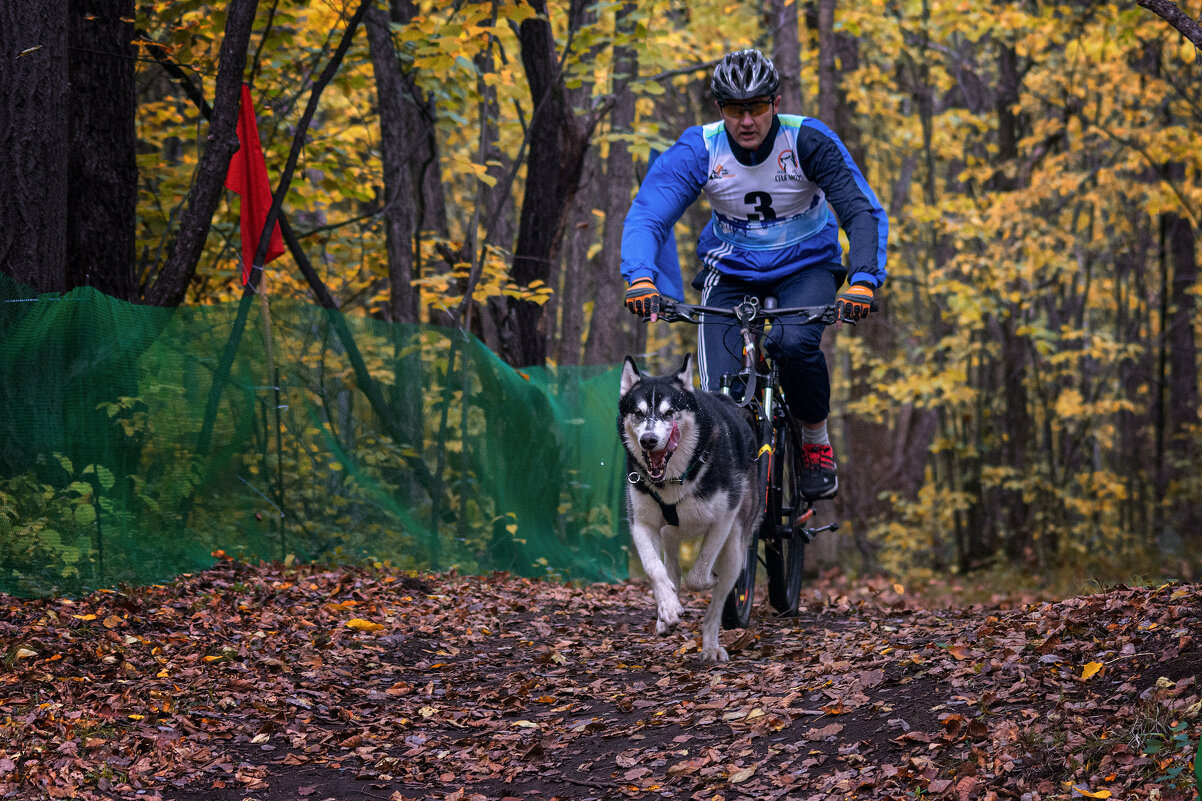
699,582
669,611
714,653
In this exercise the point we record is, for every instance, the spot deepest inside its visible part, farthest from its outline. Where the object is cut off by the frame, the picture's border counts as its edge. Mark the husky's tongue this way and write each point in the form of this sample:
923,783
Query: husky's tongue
657,461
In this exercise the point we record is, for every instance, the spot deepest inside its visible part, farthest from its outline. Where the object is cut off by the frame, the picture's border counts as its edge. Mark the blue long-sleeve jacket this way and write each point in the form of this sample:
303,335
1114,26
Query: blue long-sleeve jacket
771,207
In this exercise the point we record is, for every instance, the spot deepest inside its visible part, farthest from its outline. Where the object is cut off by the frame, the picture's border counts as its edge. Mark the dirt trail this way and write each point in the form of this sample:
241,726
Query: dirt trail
272,683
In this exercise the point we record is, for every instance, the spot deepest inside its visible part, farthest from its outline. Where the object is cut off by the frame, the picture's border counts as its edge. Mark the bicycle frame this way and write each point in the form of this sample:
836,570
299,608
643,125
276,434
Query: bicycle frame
747,313
757,373
784,512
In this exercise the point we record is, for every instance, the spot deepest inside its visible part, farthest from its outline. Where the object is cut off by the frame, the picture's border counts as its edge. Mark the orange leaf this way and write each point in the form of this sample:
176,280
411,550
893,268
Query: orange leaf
359,624
1090,670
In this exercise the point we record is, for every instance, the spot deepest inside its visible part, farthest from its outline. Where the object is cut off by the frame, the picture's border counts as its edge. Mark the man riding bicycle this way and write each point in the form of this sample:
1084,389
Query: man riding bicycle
769,179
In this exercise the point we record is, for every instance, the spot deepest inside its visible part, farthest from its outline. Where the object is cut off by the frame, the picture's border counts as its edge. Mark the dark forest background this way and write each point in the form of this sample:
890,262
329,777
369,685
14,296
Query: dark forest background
1028,396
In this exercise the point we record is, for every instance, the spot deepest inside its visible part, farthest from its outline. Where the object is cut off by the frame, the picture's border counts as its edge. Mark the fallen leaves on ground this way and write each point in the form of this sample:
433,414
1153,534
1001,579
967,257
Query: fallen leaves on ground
267,682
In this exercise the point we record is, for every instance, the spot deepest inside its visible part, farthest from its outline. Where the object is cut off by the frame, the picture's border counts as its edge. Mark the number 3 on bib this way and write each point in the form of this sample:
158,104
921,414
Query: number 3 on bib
761,202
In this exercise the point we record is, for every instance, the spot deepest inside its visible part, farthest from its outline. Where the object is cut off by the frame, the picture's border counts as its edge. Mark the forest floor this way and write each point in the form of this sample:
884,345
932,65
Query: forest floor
272,683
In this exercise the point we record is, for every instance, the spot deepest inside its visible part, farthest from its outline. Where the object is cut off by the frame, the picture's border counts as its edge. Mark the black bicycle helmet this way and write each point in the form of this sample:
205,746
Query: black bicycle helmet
744,74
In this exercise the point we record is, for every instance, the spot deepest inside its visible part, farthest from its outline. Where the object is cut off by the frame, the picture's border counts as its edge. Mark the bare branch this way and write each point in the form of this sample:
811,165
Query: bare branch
1169,11
687,70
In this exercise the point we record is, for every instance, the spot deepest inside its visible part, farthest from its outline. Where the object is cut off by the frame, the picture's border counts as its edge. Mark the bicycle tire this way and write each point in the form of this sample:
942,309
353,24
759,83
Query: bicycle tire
736,612
784,548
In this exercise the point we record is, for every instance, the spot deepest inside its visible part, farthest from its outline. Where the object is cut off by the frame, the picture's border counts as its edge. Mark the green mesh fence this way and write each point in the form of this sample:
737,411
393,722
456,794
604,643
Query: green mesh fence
136,441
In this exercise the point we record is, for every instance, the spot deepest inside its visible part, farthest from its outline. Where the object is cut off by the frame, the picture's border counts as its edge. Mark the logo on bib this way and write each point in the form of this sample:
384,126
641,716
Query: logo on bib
789,168
719,172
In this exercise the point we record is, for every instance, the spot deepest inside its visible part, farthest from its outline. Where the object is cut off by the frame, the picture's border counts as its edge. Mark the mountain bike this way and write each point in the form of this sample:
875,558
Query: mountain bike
756,387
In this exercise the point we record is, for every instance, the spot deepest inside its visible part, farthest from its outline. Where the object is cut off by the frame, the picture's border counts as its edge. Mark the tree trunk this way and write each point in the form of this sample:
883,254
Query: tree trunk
424,163
828,75
838,53
1182,422
400,223
786,54
1007,120
1019,430
1140,446
34,142
565,340
553,166
395,137
425,172
423,155
862,460
578,276
172,283
1183,352
494,204
609,337
1016,421
102,165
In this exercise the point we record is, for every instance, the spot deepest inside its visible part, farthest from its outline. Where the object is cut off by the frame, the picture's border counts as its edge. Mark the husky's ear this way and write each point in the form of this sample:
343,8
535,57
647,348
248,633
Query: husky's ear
685,374
630,375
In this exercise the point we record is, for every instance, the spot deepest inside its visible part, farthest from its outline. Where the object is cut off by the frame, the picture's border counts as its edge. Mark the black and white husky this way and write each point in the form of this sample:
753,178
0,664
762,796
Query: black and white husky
690,459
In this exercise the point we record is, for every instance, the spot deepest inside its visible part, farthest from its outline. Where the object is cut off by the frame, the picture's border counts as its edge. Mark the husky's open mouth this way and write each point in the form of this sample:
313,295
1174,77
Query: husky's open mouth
657,461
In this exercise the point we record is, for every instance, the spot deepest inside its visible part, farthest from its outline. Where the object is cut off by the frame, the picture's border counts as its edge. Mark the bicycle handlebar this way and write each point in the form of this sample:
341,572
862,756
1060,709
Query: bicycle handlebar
747,312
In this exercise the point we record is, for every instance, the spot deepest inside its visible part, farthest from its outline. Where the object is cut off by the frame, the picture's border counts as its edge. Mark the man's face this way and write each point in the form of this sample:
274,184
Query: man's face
748,121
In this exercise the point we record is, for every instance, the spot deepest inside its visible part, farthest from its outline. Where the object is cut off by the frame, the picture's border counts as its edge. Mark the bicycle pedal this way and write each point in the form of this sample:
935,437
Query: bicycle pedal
810,532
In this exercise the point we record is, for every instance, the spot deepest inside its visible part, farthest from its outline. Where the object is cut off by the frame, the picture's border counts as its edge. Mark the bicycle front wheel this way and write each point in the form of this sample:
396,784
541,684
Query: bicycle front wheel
736,613
784,544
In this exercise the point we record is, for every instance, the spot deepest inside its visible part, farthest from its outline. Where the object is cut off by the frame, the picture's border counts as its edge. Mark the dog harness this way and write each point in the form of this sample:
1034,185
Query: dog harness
669,509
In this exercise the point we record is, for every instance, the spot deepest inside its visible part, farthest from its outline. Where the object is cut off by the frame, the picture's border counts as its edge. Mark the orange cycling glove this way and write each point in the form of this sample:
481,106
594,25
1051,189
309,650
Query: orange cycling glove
643,298
855,303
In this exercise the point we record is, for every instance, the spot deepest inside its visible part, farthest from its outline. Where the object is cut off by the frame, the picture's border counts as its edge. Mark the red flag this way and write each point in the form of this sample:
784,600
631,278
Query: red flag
248,177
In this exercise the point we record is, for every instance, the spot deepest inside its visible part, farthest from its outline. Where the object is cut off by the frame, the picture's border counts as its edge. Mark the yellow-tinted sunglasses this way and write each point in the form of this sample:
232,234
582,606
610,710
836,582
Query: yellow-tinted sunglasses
735,111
